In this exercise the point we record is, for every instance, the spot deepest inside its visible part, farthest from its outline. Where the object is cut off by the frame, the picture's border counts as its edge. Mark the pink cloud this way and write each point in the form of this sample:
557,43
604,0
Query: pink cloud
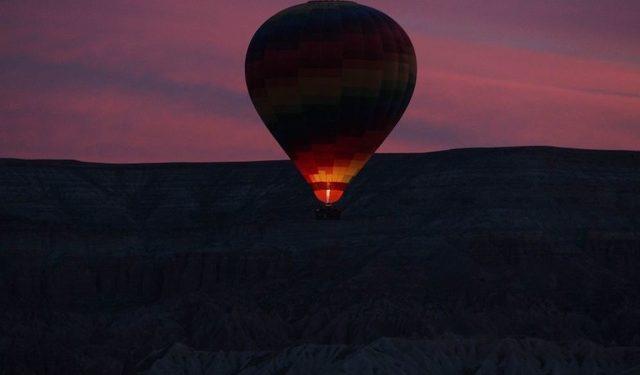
120,126
472,94
161,81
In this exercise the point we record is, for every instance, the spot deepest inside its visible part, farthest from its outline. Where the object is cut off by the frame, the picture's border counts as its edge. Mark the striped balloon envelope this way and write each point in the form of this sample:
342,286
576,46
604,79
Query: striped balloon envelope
330,79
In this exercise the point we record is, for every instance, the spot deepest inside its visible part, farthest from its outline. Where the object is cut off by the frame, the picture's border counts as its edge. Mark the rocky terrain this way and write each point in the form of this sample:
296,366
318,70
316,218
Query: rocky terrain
400,356
474,261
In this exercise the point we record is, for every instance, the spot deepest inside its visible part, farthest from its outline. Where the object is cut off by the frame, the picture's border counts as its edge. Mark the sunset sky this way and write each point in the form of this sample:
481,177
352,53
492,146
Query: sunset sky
154,81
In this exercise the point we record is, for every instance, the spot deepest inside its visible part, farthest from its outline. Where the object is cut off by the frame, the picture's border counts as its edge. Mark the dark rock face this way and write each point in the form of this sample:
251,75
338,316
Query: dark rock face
400,356
104,268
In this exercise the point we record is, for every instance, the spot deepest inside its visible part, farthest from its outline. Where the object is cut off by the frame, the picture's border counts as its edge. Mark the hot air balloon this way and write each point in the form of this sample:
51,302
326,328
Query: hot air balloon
330,80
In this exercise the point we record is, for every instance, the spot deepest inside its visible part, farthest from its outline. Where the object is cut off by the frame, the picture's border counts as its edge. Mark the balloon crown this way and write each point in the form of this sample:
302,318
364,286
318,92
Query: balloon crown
330,1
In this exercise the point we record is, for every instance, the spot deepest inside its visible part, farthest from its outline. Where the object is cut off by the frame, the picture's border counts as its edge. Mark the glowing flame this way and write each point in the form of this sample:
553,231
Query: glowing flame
328,196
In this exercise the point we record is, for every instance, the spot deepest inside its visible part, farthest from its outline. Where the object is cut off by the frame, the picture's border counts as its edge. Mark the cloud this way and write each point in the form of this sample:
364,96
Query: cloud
121,125
472,94
164,80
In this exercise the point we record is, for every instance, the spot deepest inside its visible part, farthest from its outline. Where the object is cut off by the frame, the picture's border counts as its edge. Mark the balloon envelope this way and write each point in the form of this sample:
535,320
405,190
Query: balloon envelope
330,80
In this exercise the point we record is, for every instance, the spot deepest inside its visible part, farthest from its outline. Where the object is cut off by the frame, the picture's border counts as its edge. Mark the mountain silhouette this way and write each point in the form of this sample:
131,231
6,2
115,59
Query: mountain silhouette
472,261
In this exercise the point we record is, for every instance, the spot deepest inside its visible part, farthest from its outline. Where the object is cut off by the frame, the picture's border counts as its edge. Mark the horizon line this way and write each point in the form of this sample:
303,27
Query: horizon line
9,158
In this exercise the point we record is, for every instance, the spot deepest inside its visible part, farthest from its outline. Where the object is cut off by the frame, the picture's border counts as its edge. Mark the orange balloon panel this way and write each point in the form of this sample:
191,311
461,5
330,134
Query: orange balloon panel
328,168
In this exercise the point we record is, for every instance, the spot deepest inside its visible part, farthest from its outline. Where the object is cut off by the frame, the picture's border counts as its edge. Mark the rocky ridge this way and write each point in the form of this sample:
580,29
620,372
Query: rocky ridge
102,265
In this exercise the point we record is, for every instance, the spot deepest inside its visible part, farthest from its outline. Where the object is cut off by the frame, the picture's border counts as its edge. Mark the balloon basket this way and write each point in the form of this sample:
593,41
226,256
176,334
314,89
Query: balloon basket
328,213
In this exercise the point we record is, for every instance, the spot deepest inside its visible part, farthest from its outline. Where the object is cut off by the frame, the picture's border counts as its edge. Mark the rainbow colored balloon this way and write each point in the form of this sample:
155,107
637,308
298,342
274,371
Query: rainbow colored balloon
330,79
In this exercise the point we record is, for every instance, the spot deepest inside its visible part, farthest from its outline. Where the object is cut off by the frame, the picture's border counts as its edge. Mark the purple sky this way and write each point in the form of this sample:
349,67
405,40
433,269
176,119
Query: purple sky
151,81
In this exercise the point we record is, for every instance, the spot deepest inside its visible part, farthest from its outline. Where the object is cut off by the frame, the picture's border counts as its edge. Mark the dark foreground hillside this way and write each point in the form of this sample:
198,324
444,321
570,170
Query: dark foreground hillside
478,261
